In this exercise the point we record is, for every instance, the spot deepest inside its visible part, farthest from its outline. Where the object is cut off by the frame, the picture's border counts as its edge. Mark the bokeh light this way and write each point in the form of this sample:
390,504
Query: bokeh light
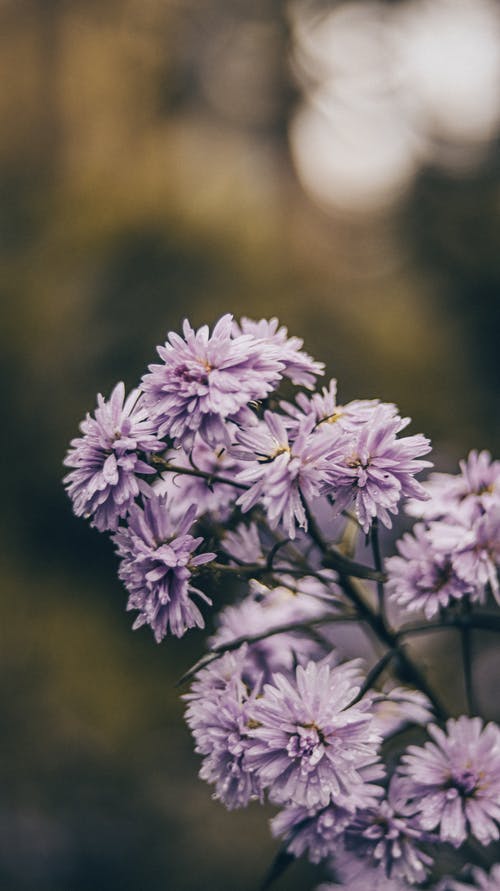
387,89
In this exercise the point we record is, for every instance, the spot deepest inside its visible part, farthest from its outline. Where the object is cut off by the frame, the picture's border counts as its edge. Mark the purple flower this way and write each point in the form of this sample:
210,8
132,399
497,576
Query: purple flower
358,876
270,608
157,559
312,832
483,881
397,707
243,544
329,415
388,839
423,577
319,832
281,472
453,783
312,744
297,364
105,482
219,714
209,496
474,545
206,379
374,469
477,486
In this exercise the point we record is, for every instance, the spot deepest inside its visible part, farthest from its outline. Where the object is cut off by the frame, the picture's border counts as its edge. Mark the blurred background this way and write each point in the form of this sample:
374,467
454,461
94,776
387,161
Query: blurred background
334,164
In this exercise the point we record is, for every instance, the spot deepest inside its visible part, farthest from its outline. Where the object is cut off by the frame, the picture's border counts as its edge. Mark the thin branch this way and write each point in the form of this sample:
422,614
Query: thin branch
333,559
167,467
379,566
274,550
356,570
408,668
373,675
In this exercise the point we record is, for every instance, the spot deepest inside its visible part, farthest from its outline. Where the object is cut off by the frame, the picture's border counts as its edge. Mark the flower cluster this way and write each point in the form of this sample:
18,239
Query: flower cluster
454,553
212,483
298,738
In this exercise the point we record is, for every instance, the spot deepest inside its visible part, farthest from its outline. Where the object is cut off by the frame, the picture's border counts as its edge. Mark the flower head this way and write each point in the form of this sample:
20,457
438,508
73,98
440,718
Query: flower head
206,379
477,487
397,707
482,880
301,368
453,783
312,744
473,541
355,875
219,714
330,416
208,495
312,832
388,839
318,832
374,469
157,560
282,471
266,610
423,576
243,544
105,480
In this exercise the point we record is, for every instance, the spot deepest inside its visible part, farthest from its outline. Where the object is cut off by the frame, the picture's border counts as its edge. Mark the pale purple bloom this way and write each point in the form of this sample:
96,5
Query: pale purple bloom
282,472
301,368
268,609
243,544
354,875
482,881
105,480
312,832
423,576
318,832
373,469
453,783
209,496
219,714
312,744
477,486
388,839
474,545
331,416
213,680
308,592
206,379
156,564
396,707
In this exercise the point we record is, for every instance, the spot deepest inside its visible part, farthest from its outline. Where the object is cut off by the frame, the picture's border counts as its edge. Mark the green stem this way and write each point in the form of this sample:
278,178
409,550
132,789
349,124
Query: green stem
373,675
